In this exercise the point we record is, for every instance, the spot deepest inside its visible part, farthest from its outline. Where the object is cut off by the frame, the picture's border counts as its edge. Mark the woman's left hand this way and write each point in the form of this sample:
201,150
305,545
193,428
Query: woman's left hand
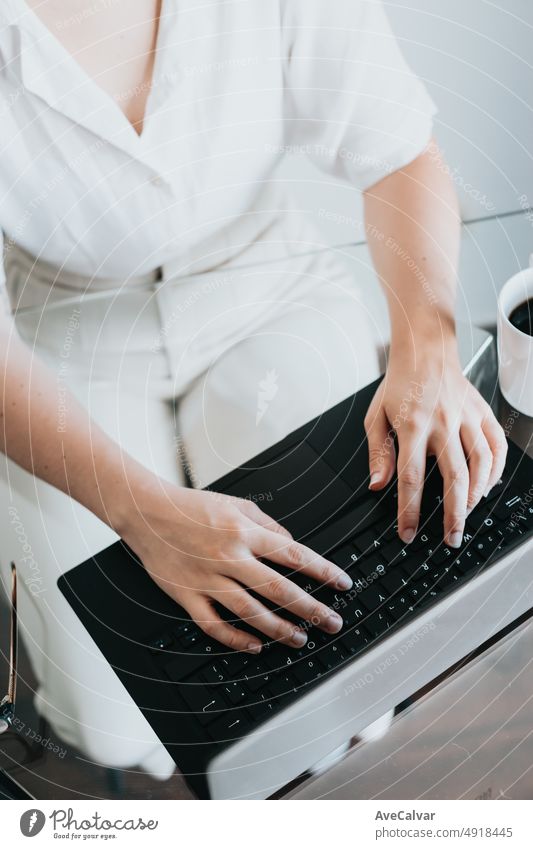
434,410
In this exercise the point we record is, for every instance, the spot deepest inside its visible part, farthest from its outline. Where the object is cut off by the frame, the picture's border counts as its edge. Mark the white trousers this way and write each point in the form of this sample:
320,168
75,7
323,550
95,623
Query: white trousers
206,371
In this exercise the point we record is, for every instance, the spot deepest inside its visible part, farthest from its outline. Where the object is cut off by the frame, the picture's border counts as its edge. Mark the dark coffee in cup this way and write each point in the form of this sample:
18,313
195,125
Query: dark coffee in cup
522,317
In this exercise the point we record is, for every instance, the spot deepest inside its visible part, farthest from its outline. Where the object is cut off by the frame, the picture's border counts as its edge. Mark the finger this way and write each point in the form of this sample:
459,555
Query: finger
286,594
256,615
452,464
479,458
300,558
253,512
205,616
381,451
411,471
495,437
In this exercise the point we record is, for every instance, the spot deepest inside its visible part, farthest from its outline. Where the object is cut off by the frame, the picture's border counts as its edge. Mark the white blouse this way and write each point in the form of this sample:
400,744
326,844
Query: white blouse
237,83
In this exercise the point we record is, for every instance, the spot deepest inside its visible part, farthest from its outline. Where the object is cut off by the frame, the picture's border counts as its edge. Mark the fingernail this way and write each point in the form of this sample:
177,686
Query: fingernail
375,477
487,491
334,622
344,582
408,535
255,647
455,539
298,638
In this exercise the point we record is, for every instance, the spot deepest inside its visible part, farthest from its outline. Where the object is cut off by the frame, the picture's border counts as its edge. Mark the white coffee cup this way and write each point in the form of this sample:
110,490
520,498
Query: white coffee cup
515,348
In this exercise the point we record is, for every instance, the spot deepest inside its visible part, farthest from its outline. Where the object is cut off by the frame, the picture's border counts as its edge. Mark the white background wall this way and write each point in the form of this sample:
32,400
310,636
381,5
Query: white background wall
476,58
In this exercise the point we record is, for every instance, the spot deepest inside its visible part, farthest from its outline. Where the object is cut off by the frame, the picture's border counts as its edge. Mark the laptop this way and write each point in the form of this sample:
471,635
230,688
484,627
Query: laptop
243,726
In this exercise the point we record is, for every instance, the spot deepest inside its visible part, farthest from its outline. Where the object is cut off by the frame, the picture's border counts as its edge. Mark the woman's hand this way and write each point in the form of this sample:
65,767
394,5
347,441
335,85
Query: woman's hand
202,547
434,410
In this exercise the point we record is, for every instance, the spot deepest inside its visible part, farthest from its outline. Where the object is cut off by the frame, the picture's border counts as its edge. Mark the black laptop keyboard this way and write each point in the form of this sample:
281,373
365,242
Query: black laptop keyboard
228,693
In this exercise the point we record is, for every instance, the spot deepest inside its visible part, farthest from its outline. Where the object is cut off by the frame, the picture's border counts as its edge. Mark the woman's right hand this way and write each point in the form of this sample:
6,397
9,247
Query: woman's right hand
203,547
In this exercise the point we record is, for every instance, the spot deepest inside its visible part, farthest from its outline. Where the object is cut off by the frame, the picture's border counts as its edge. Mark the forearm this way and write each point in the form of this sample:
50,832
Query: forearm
413,229
70,452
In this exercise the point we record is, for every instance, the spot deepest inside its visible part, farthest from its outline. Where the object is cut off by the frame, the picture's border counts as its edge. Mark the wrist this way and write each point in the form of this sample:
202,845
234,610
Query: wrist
141,501
425,339
126,494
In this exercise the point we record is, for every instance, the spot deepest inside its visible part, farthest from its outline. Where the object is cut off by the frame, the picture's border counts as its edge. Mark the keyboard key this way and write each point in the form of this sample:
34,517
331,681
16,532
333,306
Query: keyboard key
395,551
183,666
228,727
421,540
233,663
206,703
420,571
394,610
522,519
355,640
308,670
369,542
390,533
275,661
353,614
479,521
482,546
377,623
403,602
513,531
526,515
345,557
416,592
424,593
492,539
333,655
443,554
242,662
187,634
373,566
258,682
370,598
436,571
347,527
415,568
282,686
359,583
508,504
213,674
394,580
193,638
468,536
452,577
184,627
233,692
261,709
470,561
160,643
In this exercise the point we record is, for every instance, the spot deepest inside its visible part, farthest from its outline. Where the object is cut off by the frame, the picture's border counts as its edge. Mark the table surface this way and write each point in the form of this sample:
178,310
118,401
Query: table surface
430,741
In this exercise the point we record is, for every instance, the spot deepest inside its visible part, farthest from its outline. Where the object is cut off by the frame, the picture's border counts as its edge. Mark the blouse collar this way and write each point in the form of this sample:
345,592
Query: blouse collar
49,71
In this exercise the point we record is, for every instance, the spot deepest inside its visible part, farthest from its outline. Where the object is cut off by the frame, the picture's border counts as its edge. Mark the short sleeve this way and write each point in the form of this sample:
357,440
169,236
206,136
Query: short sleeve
351,100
